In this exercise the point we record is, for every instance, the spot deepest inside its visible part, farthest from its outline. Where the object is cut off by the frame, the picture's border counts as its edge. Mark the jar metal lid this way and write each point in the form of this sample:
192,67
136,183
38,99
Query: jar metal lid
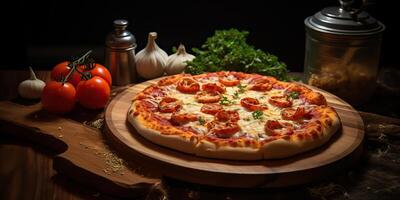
121,38
344,20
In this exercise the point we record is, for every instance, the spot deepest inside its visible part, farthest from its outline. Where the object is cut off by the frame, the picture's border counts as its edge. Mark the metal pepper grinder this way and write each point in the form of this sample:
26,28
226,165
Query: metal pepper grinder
120,54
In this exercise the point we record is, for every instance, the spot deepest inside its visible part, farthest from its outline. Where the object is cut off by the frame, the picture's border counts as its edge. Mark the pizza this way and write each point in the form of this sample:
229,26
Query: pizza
233,115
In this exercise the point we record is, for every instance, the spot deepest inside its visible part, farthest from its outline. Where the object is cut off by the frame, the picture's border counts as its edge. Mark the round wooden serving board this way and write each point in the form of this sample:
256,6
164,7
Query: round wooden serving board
341,151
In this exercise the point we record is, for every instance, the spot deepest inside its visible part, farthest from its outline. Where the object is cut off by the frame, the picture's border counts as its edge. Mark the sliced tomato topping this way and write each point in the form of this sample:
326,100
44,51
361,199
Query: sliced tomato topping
207,97
280,101
212,87
294,114
149,105
252,104
169,105
273,127
262,83
223,129
188,85
227,115
211,109
183,118
229,80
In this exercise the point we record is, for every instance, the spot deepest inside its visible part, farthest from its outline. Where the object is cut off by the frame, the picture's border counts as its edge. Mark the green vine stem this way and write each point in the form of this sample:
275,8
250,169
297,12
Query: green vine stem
74,64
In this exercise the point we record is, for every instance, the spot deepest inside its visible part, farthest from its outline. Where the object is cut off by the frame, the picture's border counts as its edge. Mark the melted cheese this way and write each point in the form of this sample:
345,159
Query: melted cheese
249,126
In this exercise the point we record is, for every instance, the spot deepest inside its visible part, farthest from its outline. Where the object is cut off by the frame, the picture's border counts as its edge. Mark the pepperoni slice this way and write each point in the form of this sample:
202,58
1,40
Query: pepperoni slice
183,118
262,83
152,91
169,105
211,109
227,115
149,105
212,87
207,97
315,98
273,127
292,114
252,104
223,129
188,85
280,101
229,80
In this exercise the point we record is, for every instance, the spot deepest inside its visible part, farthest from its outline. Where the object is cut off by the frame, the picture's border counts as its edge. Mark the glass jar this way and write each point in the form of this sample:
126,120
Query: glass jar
342,52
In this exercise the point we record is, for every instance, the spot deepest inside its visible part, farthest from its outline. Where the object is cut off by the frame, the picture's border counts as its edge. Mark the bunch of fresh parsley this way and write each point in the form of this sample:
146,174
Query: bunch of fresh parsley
228,50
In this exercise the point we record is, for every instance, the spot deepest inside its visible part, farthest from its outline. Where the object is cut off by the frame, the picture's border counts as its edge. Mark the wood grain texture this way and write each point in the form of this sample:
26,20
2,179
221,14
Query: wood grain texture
342,150
85,156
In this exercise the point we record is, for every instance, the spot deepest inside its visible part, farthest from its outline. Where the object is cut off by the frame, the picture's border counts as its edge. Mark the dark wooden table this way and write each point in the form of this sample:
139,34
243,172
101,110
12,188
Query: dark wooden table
26,170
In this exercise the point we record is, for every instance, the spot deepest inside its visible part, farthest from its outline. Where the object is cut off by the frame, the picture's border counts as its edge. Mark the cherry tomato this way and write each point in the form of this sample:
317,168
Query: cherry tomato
211,109
100,70
93,93
58,97
62,69
188,85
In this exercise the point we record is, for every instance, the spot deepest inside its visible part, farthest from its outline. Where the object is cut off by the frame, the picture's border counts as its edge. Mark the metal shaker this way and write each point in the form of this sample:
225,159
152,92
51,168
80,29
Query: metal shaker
342,51
120,54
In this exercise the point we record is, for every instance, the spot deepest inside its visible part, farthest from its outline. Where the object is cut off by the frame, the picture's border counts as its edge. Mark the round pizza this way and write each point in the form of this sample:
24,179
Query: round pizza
233,115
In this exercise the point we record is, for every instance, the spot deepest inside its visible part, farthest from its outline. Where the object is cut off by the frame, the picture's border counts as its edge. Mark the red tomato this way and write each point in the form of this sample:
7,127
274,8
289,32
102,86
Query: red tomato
58,97
100,70
93,93
61,70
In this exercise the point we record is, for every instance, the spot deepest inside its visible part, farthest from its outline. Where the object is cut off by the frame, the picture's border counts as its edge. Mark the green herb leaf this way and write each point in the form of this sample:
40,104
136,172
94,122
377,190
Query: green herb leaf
258,114
225,101
236,95
293,95
242,88
228,50
202,121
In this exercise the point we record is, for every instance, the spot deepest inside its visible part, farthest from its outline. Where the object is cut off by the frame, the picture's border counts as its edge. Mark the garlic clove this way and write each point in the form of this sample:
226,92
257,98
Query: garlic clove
151,61
176,62
31,88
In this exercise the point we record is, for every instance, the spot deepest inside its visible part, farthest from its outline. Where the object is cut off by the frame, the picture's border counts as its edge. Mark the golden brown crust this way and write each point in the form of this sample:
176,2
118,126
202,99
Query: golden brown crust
315,131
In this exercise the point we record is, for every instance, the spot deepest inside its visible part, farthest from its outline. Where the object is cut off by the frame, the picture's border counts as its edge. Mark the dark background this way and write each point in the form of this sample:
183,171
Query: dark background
43,33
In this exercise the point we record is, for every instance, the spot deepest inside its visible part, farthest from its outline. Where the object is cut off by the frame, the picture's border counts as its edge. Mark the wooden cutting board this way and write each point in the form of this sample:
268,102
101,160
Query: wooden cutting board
83,154
341,151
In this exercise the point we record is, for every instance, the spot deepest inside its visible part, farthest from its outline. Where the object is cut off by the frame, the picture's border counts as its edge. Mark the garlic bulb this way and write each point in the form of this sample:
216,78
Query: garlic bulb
31,88
150,61
176,62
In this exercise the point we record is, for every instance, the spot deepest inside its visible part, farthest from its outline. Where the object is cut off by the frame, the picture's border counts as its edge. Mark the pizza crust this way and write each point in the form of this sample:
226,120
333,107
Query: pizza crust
282,148
172,141
276,149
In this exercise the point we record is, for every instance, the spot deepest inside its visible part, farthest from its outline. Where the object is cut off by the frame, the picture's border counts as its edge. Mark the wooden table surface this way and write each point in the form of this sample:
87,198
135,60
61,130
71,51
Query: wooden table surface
26,170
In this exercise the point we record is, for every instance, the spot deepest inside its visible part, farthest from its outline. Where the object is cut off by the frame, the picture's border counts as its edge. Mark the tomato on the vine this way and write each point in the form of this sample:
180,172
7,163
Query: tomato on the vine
58,97
93,93
100,70
62,69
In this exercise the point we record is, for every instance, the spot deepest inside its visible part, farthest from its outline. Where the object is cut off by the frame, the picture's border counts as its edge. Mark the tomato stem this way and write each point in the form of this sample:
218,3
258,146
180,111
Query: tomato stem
74,64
